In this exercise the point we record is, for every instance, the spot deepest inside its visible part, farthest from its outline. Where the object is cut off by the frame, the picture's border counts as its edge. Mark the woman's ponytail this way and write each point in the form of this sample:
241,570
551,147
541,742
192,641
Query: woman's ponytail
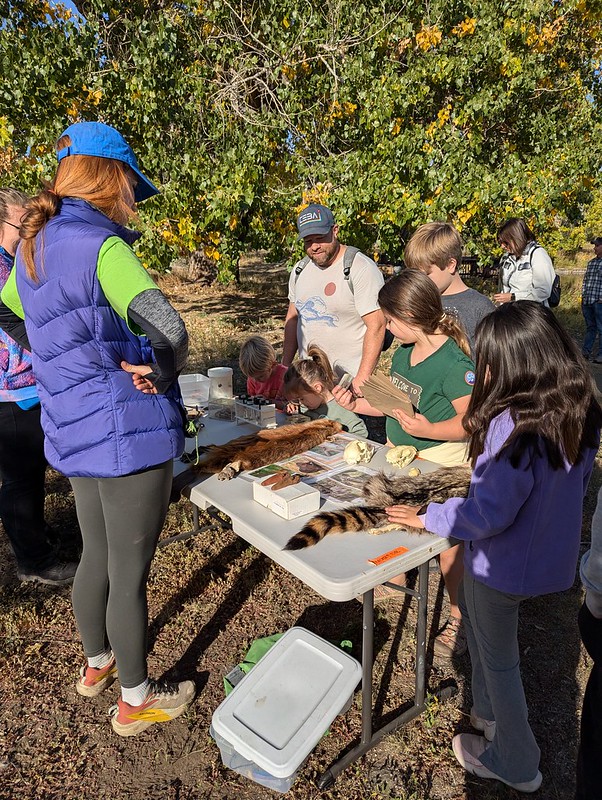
39,210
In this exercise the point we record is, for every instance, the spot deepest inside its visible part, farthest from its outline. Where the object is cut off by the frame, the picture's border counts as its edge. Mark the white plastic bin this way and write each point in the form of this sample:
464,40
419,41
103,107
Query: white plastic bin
273,719
195,389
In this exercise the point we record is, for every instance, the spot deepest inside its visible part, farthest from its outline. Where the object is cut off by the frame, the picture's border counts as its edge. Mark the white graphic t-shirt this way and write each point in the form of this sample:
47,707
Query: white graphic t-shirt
330,314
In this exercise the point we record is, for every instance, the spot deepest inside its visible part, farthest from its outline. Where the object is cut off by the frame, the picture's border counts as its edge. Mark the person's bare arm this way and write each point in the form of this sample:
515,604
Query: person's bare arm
290,335
373,345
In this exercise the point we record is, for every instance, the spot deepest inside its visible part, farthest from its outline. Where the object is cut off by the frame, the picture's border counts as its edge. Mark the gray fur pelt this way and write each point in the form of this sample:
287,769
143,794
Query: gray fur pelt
380,492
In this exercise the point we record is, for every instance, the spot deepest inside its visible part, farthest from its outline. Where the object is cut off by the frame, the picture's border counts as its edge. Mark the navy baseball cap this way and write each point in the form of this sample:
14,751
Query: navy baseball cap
98,139
315,220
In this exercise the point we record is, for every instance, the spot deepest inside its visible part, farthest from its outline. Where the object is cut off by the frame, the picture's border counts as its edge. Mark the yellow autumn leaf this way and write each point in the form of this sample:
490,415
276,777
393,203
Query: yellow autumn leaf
428,37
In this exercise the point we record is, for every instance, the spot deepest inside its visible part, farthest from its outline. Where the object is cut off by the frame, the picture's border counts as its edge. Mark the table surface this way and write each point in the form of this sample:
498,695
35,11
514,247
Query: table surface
338,567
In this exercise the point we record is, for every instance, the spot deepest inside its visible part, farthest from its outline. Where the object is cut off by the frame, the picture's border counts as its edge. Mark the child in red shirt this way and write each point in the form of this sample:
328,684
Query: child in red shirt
264,374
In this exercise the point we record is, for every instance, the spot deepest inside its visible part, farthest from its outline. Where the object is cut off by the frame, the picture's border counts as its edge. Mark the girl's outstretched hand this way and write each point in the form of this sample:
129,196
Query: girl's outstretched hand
138,372
417,426
344,397
405,515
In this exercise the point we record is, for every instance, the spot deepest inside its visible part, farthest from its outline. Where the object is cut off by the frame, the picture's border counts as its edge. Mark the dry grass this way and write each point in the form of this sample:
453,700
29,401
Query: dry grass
209,597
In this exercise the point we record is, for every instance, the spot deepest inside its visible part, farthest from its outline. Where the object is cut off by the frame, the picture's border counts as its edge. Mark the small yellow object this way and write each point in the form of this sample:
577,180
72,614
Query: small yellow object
402,455
414,472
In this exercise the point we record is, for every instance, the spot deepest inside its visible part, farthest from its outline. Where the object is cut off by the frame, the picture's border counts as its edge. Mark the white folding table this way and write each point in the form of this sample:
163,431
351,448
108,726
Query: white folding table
338,568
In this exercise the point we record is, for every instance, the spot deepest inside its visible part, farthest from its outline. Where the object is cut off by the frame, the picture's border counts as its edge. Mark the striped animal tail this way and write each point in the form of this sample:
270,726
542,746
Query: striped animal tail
357,518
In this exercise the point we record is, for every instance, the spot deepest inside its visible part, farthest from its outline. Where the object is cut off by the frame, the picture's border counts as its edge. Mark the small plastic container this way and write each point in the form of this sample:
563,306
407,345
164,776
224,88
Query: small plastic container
220,387
273,719
195,389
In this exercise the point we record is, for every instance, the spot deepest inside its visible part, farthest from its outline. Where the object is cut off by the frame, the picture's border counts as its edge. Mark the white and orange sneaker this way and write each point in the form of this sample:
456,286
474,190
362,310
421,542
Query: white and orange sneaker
93,681
163,702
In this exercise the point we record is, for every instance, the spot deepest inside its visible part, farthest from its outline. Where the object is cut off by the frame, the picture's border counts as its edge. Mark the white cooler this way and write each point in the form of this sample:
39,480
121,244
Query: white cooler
273,719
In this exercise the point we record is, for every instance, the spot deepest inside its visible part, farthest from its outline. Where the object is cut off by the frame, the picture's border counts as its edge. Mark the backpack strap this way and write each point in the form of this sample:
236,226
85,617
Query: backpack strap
537,247
301,266
349,255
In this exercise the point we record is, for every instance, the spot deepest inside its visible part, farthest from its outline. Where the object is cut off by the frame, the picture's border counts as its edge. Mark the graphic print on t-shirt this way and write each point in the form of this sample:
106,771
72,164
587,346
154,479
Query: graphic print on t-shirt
314,309
413,390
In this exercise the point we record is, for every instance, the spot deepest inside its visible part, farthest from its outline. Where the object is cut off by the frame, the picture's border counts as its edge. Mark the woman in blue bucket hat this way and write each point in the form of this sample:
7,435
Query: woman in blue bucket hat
107,348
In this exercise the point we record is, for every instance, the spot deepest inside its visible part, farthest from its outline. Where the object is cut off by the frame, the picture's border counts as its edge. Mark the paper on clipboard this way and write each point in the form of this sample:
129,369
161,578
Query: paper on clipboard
380,392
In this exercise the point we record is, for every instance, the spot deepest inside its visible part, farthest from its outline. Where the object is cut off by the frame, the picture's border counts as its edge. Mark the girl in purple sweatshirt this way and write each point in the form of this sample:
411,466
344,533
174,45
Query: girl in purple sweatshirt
535,425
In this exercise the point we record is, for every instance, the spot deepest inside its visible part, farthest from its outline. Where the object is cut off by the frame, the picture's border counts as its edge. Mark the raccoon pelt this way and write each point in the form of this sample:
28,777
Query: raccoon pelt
380,492
264,447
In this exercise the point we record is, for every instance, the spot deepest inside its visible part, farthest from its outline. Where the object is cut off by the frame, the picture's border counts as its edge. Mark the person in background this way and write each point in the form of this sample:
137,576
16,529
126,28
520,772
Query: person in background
590,627
107,348
22,460
526,270
436,250
591,303
341,315
534,420
263,372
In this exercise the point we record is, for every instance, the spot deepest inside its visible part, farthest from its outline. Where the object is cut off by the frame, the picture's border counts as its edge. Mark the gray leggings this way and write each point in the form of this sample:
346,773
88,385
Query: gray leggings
120,520
491,623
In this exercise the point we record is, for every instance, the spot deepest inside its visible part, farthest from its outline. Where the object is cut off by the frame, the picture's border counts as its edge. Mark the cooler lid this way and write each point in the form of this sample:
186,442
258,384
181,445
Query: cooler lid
279,712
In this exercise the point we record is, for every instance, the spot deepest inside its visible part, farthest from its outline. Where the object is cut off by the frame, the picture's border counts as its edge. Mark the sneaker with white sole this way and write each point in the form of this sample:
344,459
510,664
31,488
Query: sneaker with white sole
468,747
486,726
163,702
93,681
61,573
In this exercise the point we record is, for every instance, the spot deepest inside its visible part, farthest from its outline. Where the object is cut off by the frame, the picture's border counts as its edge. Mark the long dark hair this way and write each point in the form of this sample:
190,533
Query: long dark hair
527,363
412,297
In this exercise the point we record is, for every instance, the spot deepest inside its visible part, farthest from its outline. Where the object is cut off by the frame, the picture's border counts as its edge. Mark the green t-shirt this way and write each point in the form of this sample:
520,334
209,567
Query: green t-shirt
432,385
120,274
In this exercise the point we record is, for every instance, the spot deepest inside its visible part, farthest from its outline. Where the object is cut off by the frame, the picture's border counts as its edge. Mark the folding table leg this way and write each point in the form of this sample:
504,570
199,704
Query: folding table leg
370,738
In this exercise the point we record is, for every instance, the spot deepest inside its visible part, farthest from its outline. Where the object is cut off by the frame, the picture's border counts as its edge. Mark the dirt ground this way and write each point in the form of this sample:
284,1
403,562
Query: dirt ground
210,596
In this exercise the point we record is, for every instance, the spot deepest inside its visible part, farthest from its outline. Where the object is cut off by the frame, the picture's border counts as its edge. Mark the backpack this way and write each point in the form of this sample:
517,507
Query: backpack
554,298
348,256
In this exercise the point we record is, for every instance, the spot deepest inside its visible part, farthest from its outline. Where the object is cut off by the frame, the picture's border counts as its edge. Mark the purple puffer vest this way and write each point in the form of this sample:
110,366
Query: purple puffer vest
96,424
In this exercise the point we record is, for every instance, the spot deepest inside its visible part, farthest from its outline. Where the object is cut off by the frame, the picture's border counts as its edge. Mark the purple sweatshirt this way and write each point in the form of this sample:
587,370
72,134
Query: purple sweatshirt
522,527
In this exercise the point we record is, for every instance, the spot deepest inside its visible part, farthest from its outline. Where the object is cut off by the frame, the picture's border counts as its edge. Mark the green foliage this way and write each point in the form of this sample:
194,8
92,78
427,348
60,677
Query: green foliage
392,115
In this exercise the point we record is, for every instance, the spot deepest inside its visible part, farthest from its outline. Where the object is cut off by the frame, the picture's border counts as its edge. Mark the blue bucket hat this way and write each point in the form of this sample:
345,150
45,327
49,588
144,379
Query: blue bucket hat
98,139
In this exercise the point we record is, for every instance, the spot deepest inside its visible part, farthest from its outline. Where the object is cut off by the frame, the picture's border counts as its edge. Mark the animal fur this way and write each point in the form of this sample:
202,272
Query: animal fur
380,492
265,447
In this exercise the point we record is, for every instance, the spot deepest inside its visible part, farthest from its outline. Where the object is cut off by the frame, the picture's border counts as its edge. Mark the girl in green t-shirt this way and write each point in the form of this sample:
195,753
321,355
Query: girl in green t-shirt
432,366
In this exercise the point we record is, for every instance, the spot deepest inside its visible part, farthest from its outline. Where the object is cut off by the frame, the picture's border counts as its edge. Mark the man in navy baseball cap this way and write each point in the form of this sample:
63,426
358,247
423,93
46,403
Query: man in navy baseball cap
333,299
98,139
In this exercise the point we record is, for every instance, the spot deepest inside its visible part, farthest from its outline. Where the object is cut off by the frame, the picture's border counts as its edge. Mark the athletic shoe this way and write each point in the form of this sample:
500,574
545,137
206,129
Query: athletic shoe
487,726
452,639
60,573
93,681
468,747
163,702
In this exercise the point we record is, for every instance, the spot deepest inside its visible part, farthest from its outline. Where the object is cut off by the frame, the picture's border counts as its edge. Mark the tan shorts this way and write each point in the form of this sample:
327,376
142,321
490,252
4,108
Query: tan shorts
448,454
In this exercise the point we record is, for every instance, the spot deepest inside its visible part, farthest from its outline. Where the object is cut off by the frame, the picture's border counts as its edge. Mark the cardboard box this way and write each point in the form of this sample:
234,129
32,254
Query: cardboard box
289,503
